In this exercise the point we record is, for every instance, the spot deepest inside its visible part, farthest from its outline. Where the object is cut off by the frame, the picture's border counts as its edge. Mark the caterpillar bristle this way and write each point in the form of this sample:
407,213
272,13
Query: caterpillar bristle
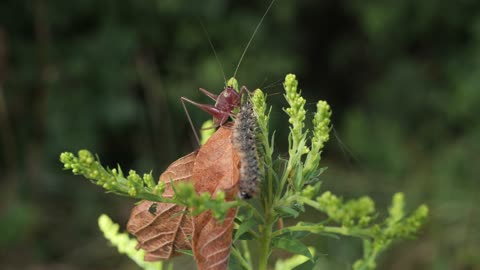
245,143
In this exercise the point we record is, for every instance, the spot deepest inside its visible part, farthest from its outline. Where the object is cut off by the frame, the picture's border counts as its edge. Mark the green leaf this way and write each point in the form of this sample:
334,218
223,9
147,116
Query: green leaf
295,234
306,265
314,177
295,262
299,234
322,170
243,228
234,263
287,211
292,245
298,178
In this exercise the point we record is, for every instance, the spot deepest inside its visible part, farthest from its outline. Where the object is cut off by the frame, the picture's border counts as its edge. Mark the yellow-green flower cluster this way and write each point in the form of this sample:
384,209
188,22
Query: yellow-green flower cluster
124,244
260,107
143,188
113,180
399,226
396,210
321,126
137,183
321,130
185,195
296,111
351,213
85,164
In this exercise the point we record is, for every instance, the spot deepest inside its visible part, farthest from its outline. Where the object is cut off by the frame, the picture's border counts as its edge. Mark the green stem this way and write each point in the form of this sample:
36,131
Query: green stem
255,211
306,201
268,202
299,228
265,241
370,257
254,234
240,258
356,232
268,159
246,252
318,229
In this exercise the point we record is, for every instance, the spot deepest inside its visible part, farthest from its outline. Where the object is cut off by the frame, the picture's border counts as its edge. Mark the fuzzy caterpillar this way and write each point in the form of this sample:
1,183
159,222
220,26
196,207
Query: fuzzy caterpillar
245,143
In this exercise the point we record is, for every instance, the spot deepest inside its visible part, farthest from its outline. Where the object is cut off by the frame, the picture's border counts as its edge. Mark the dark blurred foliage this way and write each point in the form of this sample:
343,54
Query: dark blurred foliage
402,77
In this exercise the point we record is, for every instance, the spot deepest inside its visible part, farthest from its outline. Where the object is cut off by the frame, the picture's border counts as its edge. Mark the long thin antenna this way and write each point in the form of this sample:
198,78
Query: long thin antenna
214,51
346,151
273,84
253,35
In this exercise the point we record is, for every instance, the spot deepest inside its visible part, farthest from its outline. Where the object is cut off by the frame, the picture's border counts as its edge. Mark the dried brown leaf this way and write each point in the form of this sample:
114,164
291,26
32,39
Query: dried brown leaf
216,168
212,240
217,165
163,229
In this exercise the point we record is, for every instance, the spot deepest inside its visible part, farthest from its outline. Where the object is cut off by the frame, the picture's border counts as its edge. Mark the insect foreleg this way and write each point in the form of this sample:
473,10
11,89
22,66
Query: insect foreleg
219,117
244,90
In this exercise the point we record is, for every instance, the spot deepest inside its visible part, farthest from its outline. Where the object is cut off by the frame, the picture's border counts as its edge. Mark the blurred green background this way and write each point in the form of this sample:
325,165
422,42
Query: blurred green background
402,78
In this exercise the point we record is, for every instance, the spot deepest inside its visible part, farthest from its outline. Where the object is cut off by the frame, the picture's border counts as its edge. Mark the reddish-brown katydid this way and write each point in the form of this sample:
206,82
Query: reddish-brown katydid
229,99
225,103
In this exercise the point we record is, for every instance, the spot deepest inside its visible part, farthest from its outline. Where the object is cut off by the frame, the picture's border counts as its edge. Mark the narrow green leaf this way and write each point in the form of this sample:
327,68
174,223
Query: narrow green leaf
299,234
243,228
306,265
234,263
297,261
292,245
287,211
298,178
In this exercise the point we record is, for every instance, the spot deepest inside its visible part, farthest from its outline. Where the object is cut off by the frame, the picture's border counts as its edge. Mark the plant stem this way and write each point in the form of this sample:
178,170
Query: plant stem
246,252
265,240
255,211
268,203
235,252
318,229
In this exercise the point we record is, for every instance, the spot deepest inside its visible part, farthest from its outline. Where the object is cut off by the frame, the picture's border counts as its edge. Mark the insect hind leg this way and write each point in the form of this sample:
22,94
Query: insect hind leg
219,117
183,99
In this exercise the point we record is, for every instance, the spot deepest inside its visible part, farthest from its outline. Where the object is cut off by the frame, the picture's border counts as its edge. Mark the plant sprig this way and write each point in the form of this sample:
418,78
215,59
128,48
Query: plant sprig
143,188
288,186
287,189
